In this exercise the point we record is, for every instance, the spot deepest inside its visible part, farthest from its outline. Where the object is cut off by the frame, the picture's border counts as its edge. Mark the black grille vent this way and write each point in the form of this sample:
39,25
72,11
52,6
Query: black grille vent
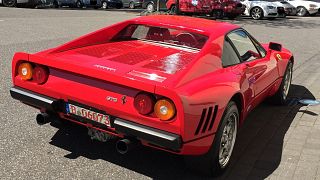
207,119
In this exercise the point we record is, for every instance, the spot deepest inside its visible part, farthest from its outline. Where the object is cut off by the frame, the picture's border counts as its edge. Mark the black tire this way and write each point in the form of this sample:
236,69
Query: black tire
302,11
79,4
209,164
217,14
104,5
281,96
56,4
9,3
173,9
150,7
256,13
131,5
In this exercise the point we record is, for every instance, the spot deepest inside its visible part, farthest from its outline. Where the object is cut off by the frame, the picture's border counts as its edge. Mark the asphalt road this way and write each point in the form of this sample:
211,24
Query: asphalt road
29,151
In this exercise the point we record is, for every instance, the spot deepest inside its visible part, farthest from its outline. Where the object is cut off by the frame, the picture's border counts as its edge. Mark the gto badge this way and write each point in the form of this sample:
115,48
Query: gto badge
279,57
112,99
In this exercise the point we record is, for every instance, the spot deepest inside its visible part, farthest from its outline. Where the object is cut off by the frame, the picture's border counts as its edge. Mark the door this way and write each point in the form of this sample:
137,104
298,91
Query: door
260,69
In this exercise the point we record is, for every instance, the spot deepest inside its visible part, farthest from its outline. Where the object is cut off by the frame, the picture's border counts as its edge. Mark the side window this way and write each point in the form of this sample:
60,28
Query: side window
229,56
244,45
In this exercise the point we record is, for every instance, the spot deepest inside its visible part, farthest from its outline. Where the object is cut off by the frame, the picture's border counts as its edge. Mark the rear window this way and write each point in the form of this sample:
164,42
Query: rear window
162,35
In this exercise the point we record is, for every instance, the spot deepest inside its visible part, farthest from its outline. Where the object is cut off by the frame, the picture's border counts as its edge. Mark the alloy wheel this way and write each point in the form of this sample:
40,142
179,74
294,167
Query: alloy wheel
228,139
256,13
150,7
104,5
287,83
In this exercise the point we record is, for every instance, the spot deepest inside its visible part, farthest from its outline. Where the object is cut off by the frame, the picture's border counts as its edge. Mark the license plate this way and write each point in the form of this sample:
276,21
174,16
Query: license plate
88,114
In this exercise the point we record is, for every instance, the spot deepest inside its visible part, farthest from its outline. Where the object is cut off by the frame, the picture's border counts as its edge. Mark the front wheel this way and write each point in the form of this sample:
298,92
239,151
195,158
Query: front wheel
281,96
131,5
217,159
257,13
302,11
79,4
9,3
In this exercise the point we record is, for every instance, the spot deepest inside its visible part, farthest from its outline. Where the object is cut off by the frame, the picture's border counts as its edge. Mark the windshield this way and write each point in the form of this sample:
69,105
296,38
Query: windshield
162,35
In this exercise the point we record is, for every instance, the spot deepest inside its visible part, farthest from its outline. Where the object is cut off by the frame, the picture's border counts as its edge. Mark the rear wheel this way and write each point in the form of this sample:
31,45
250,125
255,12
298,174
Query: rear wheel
131,5
173,9
302,11
104,5
9,3
281,95
79,4
256,13
217,159
150,7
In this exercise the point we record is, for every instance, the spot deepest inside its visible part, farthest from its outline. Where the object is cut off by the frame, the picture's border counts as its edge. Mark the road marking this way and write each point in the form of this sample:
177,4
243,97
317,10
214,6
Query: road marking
1,20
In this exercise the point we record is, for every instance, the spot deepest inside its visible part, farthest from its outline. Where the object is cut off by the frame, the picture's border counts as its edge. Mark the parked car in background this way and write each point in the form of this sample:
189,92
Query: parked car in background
289,8
306,7
105,4
14,3
151,5
132,3
228,8
77,3
259,9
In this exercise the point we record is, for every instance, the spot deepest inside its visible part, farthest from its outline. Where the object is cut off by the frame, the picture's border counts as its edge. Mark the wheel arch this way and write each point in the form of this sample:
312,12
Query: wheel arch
239,100
292,59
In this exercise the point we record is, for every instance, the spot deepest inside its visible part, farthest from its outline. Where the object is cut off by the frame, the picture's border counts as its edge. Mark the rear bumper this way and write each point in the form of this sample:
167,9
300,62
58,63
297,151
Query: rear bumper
153,136
34,99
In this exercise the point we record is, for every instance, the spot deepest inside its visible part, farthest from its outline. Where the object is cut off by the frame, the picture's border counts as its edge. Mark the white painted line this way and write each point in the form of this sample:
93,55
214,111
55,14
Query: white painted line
1,20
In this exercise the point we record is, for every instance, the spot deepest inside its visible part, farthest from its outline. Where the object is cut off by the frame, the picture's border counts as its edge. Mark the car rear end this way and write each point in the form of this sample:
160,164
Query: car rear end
233,7
119,89
97,99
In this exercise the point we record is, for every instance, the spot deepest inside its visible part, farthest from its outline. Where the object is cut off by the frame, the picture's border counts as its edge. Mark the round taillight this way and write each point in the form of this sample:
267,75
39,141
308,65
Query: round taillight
164,109
40,74
25,71
144,103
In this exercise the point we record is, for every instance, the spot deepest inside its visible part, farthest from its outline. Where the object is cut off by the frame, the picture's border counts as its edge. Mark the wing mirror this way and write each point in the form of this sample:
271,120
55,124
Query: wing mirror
275,46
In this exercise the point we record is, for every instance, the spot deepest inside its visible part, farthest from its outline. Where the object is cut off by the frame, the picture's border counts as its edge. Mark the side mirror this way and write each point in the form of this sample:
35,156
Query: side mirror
275,46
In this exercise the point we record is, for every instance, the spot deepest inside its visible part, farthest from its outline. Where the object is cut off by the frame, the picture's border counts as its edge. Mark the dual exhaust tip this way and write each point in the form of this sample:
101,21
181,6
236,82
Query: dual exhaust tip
43,118
125,145
122,146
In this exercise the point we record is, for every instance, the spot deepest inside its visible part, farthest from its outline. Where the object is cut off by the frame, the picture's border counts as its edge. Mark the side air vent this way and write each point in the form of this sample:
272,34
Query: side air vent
207,119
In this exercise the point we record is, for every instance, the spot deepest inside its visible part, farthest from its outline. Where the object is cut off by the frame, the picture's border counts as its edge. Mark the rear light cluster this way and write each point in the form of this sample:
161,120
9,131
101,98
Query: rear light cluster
33,72
163,108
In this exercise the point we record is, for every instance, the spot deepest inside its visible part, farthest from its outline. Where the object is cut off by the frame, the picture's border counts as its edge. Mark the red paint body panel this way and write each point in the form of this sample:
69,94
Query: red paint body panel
92,67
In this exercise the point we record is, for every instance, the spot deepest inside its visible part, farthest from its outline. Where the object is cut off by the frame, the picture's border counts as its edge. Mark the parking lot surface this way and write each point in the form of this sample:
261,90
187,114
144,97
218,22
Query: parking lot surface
275,142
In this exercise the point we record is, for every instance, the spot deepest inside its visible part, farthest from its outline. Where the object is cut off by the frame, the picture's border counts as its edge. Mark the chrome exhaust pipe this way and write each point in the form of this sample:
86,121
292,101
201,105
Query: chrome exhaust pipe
124,145
43,118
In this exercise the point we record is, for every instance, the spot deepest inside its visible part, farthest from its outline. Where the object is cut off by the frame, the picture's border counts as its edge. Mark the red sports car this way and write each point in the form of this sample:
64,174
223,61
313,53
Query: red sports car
179,84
